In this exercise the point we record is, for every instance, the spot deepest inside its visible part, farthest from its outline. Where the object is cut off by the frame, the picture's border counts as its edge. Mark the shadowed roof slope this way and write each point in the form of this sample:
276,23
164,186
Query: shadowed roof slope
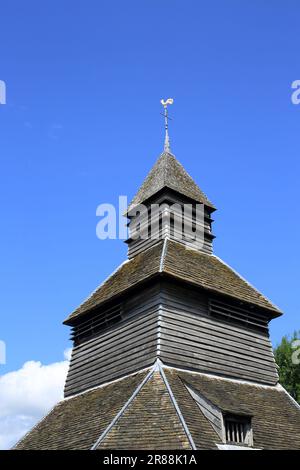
77,423
275,417
168,172
194,267
128,275
209,272
150,422
139,412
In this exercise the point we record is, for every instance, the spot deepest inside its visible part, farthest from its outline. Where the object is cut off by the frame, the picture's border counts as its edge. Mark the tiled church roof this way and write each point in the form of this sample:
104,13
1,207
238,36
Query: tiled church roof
275,417
169,173
153,410
77,423
197,268
159,417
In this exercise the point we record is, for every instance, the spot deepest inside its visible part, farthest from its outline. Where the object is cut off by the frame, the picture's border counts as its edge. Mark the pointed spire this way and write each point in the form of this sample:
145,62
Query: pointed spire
167,172
167,142
167,139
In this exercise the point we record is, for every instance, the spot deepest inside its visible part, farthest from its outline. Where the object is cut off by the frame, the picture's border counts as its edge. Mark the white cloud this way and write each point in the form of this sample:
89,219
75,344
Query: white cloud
27,394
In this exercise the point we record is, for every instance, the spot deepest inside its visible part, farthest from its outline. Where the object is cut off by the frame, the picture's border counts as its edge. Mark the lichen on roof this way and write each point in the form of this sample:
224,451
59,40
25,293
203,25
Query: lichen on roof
148,418
167,172
176,261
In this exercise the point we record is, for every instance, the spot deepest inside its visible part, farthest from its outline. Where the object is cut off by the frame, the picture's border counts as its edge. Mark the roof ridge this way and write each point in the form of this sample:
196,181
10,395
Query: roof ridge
176,406
292,399
124,408
163,255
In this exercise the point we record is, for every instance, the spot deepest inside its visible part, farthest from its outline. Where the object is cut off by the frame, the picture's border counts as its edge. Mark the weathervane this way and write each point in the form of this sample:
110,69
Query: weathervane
165,105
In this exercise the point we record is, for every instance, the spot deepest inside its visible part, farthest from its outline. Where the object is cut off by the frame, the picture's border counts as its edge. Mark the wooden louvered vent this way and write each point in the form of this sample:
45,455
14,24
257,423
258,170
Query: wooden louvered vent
100,322
238,430
247,317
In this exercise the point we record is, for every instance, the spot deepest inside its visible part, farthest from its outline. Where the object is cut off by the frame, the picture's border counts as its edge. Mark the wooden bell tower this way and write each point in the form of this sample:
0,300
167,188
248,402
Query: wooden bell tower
172,351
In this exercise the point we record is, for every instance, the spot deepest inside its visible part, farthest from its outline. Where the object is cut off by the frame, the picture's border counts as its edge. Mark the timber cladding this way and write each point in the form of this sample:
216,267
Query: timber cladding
119,350
192,339
174,323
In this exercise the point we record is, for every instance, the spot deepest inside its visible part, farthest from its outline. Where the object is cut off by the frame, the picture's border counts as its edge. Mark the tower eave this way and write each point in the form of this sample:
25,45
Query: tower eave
199,269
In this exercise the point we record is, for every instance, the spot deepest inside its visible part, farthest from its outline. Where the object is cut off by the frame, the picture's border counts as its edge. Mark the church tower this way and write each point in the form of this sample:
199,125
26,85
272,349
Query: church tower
172,351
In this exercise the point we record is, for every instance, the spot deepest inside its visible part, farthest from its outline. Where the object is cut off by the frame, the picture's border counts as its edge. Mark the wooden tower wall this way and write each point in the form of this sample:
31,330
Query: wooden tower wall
136,246
183,326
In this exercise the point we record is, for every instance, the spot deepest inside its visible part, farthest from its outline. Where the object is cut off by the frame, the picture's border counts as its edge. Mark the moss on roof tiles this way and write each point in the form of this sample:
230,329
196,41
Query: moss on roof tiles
275,418
125,277
197,268
210,272
151,421
167,172
77,423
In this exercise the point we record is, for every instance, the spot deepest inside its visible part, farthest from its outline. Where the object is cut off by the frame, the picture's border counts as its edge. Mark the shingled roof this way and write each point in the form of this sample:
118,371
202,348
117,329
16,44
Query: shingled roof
77,423
275,416
167,172
154,410
175,260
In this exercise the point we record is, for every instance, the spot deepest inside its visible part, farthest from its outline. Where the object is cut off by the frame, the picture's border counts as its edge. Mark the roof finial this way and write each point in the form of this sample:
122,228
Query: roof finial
167,140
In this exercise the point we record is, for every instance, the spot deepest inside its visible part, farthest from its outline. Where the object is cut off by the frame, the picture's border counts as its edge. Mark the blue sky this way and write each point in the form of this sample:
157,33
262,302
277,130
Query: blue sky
82,125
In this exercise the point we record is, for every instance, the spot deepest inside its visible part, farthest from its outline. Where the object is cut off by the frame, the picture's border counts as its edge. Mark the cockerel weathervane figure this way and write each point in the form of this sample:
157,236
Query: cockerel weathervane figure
167,140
